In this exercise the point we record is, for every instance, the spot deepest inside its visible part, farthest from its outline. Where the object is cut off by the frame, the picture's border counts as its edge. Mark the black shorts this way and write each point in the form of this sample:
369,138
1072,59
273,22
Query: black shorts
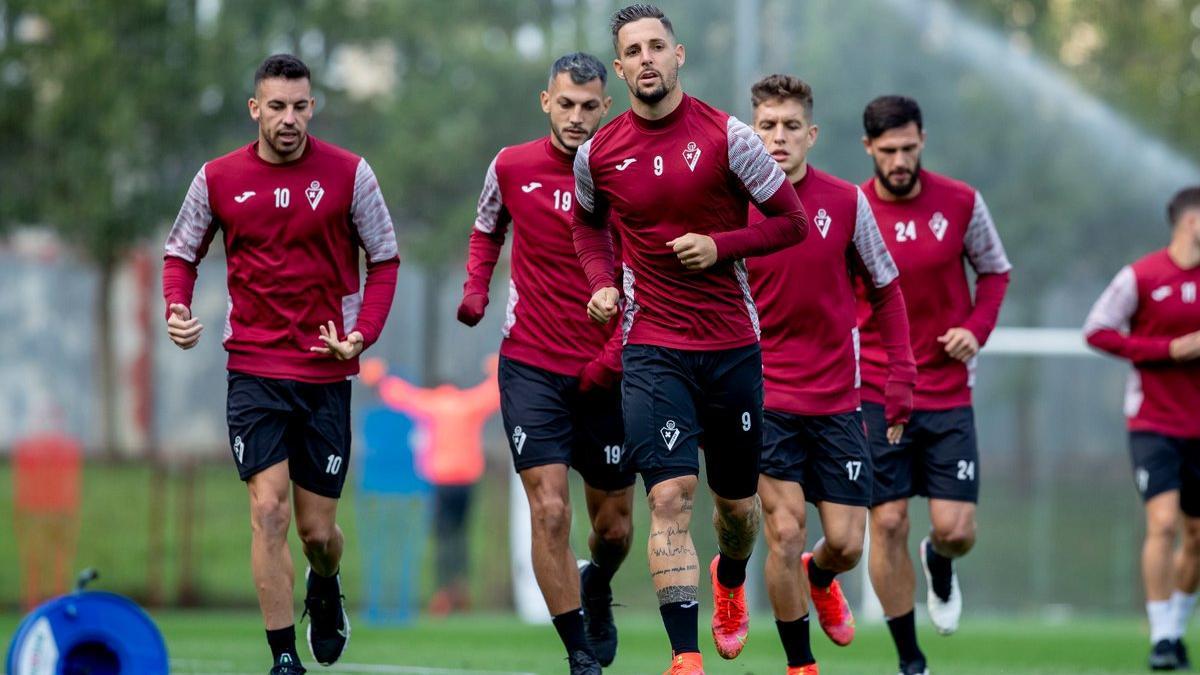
677,401
937,457
1162,463
308,425
549,421
826,454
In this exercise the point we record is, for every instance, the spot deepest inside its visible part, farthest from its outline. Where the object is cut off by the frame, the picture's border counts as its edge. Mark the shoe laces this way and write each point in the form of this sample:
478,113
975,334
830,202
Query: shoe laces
729,610
320,608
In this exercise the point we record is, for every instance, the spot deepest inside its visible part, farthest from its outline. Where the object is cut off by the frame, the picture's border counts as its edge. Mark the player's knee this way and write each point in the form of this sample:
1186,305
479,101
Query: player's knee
551,515
739,510
786,538
615,532
844,552
668,500
315,535
1163,523
890,524
270,517
955,540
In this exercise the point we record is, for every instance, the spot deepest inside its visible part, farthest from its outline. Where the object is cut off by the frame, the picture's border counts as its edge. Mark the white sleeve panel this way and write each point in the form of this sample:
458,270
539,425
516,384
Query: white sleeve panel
585,189
491,202
193,221
749,161
870,245
370,216
1116,305
982,241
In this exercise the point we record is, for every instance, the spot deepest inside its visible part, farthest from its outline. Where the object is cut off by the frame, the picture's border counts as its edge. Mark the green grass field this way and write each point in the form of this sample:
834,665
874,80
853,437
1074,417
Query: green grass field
223,642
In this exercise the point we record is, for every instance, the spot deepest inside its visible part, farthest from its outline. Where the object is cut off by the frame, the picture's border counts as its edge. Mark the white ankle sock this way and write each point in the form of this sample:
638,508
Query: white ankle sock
1182,605
1162,620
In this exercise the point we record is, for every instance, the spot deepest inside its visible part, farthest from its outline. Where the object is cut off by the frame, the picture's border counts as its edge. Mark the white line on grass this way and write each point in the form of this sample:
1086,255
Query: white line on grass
206,667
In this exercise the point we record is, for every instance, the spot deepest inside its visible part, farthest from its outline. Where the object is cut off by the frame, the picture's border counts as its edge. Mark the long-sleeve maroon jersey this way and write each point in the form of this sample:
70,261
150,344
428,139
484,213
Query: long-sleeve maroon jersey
929,237
806,299
695,170
1148,304
532,186
292,233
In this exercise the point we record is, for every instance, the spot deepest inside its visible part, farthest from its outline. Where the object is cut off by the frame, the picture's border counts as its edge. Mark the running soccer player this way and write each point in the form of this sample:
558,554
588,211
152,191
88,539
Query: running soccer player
814,445
559,371
679,175
1150,314
293,212
930,223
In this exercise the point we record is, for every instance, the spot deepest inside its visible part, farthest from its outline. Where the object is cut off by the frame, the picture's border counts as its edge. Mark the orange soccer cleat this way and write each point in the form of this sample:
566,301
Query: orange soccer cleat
731,620
810,669
688,663
832,609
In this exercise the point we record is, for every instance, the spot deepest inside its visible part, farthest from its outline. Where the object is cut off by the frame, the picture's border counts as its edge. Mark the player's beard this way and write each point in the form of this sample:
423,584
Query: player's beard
273,141
901,190
570,144
665,86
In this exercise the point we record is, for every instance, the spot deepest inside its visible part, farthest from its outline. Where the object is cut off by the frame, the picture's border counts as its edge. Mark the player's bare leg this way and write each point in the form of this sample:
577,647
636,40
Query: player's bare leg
674,567
554,565
550,511
894,580
951,535
1187,579
1163,523
784,523
737,524
316,524
611,514
270,558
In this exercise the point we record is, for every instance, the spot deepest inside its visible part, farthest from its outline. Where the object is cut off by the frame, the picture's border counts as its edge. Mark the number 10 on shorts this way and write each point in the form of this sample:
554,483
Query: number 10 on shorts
333,465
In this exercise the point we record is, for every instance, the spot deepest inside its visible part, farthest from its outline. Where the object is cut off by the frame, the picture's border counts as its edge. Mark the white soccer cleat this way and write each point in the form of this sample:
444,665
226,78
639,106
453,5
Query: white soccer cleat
944,614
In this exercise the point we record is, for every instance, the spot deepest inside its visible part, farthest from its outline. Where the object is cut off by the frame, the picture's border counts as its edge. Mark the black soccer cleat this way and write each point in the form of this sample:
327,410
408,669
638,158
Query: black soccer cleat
286,666
328,625
598,620
1163,656
914,668
582,663
1182,656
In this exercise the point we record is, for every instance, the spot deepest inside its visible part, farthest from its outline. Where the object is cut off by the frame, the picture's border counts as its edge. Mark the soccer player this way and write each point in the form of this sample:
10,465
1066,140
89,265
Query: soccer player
679,175
814,445
1150,314
293,212
931,223
558,371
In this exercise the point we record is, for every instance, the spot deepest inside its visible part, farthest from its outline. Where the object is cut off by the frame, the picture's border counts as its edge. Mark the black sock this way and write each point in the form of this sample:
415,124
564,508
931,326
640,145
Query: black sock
283,641
323,586
680,620
904,634
731,572
794,635
821,578
569,625
596,580
941,570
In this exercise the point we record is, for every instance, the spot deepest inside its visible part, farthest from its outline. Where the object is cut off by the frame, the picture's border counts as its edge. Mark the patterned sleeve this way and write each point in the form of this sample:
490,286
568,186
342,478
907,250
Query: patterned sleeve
982,241
191,232
749,161
490,212
585,188
870,246
1116,305
370,216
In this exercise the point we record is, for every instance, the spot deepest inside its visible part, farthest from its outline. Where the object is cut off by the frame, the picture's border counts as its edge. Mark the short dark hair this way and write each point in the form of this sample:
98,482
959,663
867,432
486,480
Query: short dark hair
583,68
281,65
890,112
635,13
1187,198
783,88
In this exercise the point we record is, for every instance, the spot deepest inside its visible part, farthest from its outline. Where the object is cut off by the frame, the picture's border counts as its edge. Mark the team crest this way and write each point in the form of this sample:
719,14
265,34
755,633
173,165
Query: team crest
518,439
314,194
1161,293
938,224
823,221
691,155
670,434
239,448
